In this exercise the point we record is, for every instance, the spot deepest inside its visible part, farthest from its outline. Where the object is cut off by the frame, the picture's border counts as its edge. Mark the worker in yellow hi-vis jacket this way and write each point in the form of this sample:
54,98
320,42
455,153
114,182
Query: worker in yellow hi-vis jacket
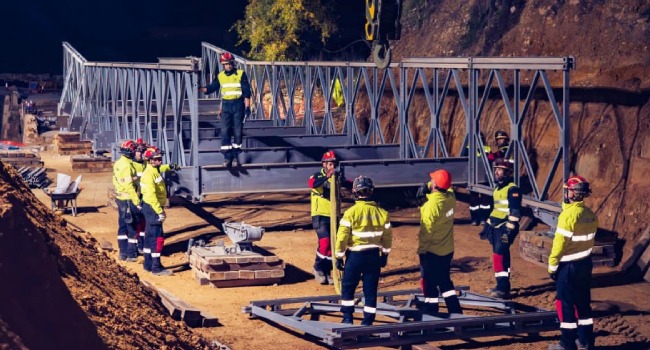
128,202
365,237
569,264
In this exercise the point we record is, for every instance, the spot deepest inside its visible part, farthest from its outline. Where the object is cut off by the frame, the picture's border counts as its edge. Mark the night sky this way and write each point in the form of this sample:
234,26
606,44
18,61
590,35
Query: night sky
111,30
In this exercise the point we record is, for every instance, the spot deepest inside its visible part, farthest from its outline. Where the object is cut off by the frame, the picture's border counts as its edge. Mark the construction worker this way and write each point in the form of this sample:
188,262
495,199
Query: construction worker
128,202
436,244
365,237
503,142
569,264
480,205
154,197
139,164
235,107
320,216
502,226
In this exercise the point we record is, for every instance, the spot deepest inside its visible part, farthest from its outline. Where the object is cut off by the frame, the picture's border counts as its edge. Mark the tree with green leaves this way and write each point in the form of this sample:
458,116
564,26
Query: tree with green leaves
285,29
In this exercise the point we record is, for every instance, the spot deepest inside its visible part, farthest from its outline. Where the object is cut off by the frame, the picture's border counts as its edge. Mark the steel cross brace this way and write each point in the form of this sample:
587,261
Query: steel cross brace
411,326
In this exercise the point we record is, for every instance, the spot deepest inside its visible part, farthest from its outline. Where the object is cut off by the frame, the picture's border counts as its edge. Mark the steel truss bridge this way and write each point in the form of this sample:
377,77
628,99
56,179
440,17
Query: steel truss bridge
399,320
294,119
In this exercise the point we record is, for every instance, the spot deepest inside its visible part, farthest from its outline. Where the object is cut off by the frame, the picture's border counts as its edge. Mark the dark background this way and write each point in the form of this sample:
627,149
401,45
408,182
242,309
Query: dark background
139,30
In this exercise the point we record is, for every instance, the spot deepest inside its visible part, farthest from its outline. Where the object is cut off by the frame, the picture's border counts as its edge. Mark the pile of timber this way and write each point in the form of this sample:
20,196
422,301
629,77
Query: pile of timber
181,310
248,268
20,158
639,260
536,246
89,164
69,143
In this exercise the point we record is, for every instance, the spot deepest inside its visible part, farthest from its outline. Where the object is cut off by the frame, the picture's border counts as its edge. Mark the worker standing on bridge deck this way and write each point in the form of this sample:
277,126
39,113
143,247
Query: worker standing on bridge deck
503,143
502,226
569,264
366,237
235,107
436,244
139,164
128,202
320,215
154,197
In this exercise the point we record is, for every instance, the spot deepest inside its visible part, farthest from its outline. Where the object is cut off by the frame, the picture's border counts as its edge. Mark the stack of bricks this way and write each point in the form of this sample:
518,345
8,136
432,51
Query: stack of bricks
69,143
233,270
20,158
536,247
88,164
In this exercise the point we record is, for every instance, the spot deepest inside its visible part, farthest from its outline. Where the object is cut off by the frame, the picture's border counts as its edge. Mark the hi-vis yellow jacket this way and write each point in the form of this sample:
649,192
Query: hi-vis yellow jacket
507,206
138,167
320,194
231,88
364,226
437,223
154,189
124,176
574,236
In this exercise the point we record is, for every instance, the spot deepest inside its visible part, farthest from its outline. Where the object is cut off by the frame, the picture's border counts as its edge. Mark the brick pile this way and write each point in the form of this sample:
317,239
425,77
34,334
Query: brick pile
69,143
20,158
88,164
536,247
242,269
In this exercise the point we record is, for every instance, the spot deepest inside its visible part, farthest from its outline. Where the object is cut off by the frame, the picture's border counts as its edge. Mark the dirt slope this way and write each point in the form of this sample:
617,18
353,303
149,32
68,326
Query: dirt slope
60,293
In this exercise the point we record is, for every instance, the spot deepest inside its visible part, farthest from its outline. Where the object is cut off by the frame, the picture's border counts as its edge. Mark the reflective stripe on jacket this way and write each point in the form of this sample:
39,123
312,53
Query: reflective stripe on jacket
124,176
574,236
231,88
138,167
364,226
154,189
507,206
437,223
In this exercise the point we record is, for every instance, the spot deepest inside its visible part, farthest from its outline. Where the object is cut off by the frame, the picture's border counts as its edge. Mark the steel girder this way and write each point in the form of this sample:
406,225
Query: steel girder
400,321
106,96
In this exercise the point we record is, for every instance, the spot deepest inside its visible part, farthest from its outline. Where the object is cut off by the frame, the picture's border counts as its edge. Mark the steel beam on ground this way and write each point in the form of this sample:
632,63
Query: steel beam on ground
304,314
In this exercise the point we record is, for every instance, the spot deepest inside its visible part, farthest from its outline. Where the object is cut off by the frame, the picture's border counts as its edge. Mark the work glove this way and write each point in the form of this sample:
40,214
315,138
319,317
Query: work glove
139,207
247,112
161,217
340,264
505,238
383,260
553,275
423,191
174,167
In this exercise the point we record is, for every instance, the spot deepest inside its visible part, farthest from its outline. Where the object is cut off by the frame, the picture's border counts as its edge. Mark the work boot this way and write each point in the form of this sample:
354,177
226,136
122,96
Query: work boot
165,272
320,277
227,163
475,222
583,347
330,280
558,346
347,318
499,294
235,162
368,319
131,259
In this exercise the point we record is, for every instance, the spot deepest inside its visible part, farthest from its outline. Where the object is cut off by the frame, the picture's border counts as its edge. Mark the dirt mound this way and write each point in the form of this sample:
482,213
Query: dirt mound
59,292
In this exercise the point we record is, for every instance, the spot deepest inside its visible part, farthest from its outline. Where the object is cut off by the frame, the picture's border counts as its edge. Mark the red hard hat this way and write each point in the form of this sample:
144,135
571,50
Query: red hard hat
226,57
500,134
329,156
128,145
578,184
152,152
441,179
